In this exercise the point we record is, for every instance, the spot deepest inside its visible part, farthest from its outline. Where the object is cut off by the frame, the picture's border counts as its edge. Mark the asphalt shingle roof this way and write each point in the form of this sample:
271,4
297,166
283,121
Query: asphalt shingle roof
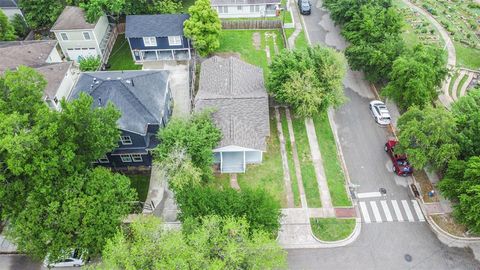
162,25
27,53
236,91
8,4
139,95
72,18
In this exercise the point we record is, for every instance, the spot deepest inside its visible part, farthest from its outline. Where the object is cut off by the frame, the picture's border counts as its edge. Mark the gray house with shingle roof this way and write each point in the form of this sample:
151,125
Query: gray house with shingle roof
145,101
235,91
246,8
157,37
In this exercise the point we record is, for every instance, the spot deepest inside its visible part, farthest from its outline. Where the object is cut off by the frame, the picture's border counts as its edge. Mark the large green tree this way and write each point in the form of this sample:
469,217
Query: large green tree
215,243
41,13
416,75
94,9
197,135
203,27
51,195
461,184
308,79
343,11
7,31
466,112
428,136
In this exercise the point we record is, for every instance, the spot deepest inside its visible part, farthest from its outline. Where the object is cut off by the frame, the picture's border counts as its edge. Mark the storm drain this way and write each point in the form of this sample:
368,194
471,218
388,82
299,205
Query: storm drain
408,257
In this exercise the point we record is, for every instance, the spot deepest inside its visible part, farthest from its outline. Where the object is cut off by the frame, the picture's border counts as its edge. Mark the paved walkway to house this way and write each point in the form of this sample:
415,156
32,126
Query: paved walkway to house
233,181
179,84
286,169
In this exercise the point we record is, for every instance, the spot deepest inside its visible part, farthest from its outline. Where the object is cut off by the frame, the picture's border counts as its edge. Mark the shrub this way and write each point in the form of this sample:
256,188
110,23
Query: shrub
20,26
90,63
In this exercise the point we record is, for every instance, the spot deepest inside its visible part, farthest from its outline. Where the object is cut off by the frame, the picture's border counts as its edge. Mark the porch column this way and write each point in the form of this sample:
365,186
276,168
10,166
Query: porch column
173,55
189,55
244,165
221,162
156,54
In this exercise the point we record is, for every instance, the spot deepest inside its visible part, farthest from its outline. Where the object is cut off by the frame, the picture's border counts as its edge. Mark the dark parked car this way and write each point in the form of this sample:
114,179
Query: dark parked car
305,7
401,166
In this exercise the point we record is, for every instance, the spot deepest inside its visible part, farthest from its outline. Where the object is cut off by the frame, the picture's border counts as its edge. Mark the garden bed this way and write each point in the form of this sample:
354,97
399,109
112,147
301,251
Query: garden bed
332,229
448,224
425,186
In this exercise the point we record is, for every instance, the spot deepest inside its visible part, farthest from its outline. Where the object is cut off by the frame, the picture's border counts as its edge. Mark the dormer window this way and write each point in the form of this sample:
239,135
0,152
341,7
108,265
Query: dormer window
126,140
150,41
174,40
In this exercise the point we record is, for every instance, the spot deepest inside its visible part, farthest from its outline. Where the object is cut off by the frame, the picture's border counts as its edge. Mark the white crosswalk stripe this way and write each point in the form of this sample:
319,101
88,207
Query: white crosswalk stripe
366,216
418,211
386,211
407,211
376,213
397,211
390,211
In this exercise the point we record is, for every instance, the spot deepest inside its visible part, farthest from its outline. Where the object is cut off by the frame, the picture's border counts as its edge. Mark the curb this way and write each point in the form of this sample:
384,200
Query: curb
344,242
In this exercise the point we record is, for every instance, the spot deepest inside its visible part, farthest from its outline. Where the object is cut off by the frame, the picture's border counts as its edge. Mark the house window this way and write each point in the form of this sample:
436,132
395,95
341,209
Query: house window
126,140
103,159
239,7
222,9
257,8
126,158
64,36
86,36
174,40
137,158
150,41
252,8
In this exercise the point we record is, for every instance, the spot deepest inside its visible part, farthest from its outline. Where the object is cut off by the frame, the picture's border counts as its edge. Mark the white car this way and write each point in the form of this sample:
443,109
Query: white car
380,112
72,261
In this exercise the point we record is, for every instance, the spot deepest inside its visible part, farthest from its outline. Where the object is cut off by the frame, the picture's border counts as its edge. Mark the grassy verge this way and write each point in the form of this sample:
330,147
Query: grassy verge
448,223
291,165
253,52
269,174
121,56
466,56
301,40
140,183
332,229
452,82
462,82
309,178
331,164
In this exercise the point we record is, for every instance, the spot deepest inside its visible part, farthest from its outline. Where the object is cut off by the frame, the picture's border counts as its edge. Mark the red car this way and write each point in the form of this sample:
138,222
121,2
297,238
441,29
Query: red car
401,166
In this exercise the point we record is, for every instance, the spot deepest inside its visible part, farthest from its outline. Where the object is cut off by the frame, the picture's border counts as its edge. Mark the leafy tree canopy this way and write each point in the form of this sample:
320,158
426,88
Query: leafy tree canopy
466,112
41,13
308,79
428,135
197,135
203,27
7,31
462,185
343,11
90,63
215,243
415,76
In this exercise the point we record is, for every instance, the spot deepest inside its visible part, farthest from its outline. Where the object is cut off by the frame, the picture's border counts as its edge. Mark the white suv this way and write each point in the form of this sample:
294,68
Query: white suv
380,112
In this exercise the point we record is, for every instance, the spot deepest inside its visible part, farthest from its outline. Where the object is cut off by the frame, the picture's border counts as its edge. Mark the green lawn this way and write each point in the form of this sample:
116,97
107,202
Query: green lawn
121,56
291,164
309,178
331,163
452,82
269,174
186,4
241,41
332,229
466,56
301,40
140,183
462,82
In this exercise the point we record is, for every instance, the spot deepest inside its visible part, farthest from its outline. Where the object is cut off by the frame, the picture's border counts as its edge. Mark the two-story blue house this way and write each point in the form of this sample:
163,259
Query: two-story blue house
157,37
145,101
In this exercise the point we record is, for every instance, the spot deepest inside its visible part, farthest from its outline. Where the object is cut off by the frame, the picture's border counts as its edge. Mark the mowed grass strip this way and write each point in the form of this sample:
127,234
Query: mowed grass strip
332,229
121,56
291,164
269,174
331,163
309,178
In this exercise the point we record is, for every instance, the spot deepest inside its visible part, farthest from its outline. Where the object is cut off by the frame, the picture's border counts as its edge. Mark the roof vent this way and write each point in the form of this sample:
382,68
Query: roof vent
119,78
108,78
128,81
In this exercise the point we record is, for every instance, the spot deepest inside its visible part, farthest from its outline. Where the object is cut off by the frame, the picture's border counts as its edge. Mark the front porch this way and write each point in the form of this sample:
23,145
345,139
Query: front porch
235,159
161,55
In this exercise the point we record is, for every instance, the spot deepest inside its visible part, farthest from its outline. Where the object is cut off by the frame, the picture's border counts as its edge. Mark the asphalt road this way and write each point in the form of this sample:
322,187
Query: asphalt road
380,245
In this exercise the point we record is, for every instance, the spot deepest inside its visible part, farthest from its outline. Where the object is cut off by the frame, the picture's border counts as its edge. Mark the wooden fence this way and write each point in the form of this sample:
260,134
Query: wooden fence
252,24
121,28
